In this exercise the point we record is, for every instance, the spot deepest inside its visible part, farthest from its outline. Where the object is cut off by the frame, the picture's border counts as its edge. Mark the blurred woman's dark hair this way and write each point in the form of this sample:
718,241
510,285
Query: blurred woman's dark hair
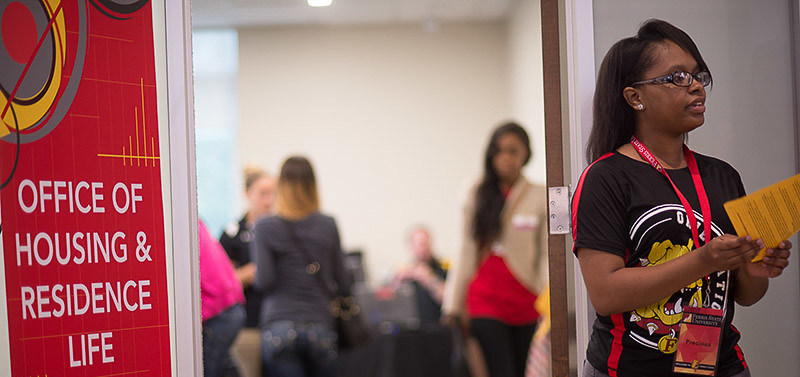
489,199
614,121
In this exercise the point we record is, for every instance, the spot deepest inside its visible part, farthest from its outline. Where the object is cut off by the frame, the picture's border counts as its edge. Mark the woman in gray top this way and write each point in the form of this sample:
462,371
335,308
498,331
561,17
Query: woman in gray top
290,250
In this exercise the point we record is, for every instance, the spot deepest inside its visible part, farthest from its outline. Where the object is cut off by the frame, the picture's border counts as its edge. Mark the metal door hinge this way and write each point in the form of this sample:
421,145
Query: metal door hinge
558,199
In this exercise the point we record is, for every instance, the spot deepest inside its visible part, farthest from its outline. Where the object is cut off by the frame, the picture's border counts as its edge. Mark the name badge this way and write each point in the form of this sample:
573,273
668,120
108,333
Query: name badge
698,342
520,221
497,249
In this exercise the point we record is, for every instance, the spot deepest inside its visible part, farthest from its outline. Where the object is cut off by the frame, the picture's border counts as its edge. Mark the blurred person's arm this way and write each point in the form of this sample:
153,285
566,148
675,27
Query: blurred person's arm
246,274
432,283
262,256
463,267
541,262
344,281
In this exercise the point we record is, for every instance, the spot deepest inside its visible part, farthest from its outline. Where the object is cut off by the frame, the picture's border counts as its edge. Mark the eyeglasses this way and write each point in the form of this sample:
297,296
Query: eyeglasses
679,78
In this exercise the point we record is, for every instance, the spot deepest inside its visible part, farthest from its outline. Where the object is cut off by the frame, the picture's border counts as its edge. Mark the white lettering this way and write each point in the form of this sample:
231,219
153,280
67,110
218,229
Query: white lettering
78,309
24,249
71,201
92,349
62,261
72,362
124,248
42,195
97,197
136,198
27,302
42,300
81,207
121,209
99,245
96,297
59,197
143,293
27,208
58,301
39,259
129,283
79,248
106,347
112,297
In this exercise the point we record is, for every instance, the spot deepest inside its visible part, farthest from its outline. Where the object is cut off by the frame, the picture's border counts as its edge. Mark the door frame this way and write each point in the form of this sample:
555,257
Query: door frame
569,81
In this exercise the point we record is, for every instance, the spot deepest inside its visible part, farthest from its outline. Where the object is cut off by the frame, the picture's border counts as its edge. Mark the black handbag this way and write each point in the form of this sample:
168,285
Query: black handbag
351,327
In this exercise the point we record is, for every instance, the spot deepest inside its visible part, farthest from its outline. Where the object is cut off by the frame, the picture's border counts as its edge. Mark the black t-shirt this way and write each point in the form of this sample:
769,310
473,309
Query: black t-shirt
236,242
626,207
430,311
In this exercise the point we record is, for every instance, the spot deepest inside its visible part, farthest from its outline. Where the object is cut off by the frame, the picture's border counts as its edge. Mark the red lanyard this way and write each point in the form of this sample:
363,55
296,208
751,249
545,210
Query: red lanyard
705,207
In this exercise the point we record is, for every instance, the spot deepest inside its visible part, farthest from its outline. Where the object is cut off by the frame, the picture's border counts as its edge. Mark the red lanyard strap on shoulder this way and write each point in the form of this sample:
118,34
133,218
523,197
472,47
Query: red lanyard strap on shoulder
705,207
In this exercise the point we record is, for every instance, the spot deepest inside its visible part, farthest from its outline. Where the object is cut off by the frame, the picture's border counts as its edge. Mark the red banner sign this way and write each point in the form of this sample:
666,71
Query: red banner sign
81,207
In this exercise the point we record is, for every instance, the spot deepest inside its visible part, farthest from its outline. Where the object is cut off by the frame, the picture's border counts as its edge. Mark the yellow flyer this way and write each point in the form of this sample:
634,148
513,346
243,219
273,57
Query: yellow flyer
772,213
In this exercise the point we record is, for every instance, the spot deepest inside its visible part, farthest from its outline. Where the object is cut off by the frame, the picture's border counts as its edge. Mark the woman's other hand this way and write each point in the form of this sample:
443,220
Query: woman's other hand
773,263
727,252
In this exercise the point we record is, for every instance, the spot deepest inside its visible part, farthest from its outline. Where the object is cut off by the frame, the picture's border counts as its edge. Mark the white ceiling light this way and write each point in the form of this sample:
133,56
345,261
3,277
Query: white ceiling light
319,3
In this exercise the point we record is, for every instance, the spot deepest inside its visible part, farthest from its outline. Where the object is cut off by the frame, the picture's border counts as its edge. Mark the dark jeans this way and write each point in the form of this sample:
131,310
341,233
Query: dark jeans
505,347
292,349
218,334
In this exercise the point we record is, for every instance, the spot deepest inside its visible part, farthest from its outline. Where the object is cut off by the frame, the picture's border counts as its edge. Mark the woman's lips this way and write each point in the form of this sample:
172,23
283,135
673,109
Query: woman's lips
697,108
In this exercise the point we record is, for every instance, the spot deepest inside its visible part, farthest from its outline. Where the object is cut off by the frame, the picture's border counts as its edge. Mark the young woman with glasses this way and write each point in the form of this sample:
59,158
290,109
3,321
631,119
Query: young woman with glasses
651,234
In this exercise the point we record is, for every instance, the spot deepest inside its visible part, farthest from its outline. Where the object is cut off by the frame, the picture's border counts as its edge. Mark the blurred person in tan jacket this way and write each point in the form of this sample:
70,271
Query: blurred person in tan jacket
502,264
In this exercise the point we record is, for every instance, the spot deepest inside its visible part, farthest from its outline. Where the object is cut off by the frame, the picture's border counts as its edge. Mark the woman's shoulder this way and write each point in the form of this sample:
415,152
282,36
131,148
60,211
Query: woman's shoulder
269,222
710,162
318,220
609,166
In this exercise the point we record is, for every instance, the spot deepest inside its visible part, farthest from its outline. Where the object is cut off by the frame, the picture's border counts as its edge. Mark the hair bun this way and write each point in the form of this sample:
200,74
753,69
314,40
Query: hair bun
252,173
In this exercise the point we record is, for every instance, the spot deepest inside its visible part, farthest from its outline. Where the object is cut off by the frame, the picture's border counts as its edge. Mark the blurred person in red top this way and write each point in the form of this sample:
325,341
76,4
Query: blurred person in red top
502,265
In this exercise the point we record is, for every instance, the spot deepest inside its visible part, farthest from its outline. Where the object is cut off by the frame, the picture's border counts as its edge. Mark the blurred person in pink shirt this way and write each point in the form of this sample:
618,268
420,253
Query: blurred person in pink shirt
222,305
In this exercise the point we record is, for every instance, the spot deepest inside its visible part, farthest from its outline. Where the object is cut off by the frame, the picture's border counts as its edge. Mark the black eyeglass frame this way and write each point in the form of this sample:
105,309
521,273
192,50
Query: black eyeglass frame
670,79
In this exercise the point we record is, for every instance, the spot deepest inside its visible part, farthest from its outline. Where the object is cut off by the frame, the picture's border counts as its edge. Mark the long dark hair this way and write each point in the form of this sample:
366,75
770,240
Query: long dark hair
625,63
489,199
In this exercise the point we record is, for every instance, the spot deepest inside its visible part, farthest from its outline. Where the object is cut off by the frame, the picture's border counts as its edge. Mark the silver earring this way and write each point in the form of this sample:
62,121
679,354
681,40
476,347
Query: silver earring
640,107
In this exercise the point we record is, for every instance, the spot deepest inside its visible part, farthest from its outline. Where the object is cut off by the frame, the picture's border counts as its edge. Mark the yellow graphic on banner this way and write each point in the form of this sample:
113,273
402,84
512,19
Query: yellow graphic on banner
137,155
24,110
772,213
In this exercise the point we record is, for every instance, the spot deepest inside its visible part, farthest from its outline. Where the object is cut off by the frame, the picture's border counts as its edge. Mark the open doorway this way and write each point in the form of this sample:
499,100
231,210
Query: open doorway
393,102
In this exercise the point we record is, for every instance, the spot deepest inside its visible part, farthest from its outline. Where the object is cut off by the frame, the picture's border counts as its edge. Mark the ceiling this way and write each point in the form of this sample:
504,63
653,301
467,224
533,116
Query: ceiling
235,13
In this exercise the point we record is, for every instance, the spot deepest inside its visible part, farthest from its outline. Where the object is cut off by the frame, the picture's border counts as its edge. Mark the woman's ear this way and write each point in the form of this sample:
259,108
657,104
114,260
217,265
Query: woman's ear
631,95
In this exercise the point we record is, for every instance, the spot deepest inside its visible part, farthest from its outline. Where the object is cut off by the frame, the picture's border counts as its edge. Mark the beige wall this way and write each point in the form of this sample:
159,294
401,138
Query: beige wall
394,119
527,88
